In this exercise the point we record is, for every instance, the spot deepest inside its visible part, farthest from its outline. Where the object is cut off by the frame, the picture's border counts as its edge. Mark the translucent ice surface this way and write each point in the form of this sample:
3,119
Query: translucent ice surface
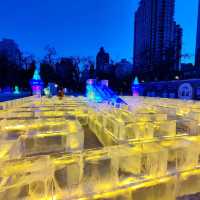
148,149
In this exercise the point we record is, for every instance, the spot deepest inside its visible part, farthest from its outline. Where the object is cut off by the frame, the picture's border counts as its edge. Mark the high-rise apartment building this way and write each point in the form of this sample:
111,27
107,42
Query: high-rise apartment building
102,59
157,39
197,55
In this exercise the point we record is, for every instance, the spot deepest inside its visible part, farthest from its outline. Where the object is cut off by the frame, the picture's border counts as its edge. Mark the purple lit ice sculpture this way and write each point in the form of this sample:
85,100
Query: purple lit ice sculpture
135,87
36,82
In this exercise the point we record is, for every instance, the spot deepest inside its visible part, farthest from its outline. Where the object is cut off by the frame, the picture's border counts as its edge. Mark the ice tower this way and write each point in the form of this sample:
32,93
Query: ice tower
36,82
135,87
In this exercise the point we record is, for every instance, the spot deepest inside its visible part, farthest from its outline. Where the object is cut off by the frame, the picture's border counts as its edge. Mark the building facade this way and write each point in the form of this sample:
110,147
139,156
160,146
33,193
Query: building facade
157,39
183,89
178,36
197,55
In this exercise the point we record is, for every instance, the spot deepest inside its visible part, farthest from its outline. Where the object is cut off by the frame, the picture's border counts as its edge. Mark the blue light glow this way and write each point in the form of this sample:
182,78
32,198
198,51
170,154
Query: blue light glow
136,81
99,92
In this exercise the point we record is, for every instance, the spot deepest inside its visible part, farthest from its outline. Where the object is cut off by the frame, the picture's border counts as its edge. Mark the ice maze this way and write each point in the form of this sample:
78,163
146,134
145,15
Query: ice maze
148,149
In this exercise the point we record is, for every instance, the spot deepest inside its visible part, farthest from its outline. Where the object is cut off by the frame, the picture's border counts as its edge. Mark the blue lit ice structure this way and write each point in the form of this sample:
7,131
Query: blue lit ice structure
36,82
109,95
47,92
100,92
53,87
92,92
135,87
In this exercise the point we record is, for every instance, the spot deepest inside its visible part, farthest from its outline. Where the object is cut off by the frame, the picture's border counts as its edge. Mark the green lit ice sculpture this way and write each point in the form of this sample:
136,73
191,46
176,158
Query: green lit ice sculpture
16,91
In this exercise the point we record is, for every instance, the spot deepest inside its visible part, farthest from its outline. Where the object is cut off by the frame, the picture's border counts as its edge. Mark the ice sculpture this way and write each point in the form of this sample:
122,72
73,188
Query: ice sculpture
36,82
16,91
100,92
135,87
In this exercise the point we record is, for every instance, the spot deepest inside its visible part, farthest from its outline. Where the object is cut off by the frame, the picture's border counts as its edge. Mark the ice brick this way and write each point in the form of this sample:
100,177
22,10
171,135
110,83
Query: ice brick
26,178
100,173
182,154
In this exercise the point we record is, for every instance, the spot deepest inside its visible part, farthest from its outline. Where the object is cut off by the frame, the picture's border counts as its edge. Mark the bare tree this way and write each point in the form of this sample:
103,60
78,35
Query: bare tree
50,54
27,60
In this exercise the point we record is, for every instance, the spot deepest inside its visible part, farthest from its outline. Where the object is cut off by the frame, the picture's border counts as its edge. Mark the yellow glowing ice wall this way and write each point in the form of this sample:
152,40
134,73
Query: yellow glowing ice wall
153,154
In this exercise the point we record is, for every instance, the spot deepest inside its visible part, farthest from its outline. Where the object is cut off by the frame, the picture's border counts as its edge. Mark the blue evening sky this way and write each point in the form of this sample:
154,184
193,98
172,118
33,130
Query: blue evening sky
80,27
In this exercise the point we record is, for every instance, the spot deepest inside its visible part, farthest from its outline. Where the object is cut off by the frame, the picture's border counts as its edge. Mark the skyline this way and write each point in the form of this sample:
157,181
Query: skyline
35,24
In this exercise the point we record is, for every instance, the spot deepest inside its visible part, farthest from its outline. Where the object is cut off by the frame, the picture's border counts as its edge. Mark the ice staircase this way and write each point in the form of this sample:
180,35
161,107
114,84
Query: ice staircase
100,92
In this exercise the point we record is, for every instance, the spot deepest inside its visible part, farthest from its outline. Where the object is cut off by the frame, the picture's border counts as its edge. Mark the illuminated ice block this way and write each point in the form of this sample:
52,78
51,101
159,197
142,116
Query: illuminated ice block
165,128
27,178
82,118
75,136
182,154
151,159
188,126
183,110
142,117
42,144
129,161
70,139
108,139
151,117
112,125
154,160
123,194
48,125
15,128
50,114
137,130
12,131
68,175
100,172
196,143
170,111
195,115
5,149
162,188
124,116
188,183
96,125
158,116
43,136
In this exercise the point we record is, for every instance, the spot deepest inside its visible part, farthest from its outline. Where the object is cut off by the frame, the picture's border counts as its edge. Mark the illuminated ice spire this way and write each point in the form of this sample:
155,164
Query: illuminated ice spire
135,87
136,81
36,75
36,82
